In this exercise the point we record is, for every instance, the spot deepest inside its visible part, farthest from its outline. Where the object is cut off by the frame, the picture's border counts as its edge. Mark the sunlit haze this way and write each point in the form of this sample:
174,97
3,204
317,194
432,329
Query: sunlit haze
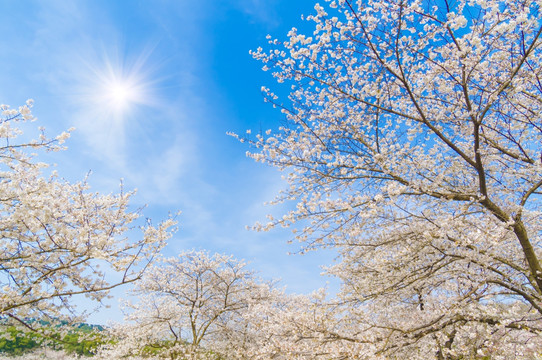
120,94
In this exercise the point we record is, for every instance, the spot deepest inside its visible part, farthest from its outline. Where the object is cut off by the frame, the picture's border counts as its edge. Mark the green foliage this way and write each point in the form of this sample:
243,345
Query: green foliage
82,340
16,342
82,344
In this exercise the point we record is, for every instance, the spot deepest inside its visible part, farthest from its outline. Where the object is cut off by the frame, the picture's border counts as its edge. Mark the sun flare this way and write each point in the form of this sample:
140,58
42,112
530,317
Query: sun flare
121,95
117,88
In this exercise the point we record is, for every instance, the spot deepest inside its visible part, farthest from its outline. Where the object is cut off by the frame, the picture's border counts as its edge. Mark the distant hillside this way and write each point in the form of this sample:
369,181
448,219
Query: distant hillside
80,339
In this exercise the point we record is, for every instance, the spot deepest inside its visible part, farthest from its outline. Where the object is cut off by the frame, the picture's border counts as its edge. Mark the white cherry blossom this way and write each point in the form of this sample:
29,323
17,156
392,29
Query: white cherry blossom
413,147
59,239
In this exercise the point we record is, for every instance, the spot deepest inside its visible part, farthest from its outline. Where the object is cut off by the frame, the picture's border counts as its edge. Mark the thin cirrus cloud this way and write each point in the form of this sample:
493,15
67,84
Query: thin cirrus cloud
116,98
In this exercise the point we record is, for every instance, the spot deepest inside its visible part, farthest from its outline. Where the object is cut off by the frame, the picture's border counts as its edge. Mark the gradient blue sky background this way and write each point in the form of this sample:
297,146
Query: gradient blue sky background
196,81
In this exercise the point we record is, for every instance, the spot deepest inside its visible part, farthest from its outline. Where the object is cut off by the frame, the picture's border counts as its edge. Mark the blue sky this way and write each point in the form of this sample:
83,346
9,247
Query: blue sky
195,81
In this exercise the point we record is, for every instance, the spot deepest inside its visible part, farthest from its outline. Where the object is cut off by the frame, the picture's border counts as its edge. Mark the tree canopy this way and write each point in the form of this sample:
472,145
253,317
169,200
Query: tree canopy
412,145
55,235
195,306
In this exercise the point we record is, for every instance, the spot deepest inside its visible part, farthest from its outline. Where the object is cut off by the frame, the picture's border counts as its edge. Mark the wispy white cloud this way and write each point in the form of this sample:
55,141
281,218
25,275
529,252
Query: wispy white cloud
149,144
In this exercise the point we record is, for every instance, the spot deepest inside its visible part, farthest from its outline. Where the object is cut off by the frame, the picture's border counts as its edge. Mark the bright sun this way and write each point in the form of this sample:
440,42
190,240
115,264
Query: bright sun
121,95
116,88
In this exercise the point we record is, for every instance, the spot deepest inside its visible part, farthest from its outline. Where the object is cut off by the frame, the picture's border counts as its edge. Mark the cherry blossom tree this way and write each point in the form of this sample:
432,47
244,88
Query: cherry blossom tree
412,145
58,239
298,327
191,306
